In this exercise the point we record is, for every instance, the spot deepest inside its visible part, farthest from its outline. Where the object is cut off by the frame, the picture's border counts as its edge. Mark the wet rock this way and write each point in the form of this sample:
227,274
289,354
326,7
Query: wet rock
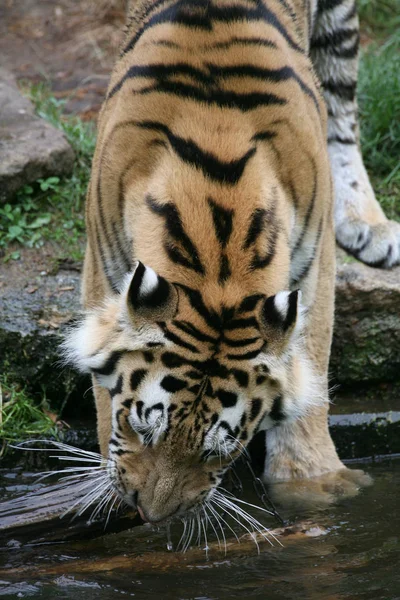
30,148
366,341
36,308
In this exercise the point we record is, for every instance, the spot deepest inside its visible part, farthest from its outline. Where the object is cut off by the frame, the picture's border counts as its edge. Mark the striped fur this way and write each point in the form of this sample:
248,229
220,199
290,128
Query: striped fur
211,198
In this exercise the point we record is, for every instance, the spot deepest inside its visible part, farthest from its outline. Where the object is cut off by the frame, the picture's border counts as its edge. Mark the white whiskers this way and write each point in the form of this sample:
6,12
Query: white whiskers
89,475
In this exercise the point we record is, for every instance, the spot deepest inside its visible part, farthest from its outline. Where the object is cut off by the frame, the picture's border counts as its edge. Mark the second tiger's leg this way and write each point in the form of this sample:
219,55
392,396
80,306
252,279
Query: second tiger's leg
361,225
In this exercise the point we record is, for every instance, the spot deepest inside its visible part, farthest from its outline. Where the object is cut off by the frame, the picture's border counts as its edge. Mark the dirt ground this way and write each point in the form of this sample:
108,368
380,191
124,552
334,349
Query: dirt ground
71,44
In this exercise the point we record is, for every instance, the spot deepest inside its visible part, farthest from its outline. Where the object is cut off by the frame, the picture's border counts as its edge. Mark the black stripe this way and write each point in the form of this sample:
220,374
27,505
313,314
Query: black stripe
240,343
264,135
167,44
291,314
268,75
250,302
148,356
100,248
137,378
196,301
222,218
220,98
139,408
235,41
305,270
324,5
277,413
179,341
117,389
241,377
341,140
170,14
127,403
210,367
173,360
260,262
161,71
194,332
246,356
217,170
110,364
256,404
204,13
308,215
227,399
346,91
241,323
175,229
188,151
172,384
257,225
334,40
224,269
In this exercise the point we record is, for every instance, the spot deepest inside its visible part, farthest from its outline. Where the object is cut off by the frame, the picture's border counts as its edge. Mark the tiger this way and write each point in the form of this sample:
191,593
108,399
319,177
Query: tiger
227,161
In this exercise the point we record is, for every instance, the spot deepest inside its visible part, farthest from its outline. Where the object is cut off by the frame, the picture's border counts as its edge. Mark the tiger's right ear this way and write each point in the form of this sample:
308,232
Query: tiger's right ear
150,297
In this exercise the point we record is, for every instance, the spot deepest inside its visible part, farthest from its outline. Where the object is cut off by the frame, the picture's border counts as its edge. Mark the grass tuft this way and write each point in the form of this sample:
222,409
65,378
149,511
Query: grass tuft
379,18
52,209
379,103
21,418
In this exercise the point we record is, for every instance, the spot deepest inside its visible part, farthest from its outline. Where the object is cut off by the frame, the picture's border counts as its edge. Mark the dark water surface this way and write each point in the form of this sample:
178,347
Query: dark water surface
357,558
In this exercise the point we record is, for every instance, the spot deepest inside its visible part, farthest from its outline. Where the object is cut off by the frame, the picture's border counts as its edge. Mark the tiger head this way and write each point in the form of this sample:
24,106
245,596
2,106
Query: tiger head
189,385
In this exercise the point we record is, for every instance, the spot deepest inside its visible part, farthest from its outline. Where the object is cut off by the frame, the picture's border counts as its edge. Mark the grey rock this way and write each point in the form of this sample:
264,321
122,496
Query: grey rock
366,341
36,309
30,148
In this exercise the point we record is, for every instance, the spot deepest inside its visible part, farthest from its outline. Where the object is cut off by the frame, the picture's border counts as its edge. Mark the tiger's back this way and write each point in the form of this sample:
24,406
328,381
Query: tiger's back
211,151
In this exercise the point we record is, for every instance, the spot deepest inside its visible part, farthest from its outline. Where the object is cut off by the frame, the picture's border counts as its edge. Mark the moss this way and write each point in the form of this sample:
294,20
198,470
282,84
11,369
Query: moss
371,352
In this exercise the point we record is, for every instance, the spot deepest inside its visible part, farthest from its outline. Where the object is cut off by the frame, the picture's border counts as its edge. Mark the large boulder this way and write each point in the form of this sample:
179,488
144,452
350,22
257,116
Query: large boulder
30,148
366,341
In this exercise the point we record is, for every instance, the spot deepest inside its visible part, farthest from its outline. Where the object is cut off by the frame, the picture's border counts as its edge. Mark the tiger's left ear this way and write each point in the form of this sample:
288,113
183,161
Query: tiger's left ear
281,316
150,297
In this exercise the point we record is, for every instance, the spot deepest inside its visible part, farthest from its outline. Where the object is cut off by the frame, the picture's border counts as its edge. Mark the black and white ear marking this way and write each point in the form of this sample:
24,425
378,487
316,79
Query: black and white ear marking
282,310
151,295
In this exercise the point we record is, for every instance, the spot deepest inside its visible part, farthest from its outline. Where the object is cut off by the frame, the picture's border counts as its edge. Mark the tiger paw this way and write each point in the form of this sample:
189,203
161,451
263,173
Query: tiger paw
319,492
376,245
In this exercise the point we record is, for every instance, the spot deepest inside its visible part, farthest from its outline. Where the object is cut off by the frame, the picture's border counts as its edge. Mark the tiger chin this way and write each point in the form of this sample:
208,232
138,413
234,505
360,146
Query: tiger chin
227,160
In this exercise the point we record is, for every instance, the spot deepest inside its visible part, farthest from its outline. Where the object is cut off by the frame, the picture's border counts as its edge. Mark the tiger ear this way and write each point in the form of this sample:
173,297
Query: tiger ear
150,296
281,315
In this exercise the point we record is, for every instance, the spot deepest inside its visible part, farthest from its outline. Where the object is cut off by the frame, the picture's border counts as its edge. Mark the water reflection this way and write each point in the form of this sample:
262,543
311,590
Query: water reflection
358,558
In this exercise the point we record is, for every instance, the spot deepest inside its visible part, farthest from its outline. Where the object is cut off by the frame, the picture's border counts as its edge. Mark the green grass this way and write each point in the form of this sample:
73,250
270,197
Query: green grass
379,103
21,418
379,18
52,209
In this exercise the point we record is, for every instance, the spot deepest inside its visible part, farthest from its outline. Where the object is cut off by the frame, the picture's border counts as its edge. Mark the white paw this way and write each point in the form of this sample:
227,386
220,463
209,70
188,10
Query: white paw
376,245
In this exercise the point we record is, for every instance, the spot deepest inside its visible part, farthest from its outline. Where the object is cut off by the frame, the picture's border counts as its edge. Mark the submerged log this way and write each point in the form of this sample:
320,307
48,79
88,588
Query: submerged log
50,514
138,561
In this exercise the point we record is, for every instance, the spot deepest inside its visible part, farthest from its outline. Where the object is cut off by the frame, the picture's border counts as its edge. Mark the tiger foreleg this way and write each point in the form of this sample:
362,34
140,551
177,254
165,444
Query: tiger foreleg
302,465
361,225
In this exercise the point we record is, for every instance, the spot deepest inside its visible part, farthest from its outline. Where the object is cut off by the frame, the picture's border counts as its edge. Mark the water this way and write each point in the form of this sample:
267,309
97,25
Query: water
358,558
